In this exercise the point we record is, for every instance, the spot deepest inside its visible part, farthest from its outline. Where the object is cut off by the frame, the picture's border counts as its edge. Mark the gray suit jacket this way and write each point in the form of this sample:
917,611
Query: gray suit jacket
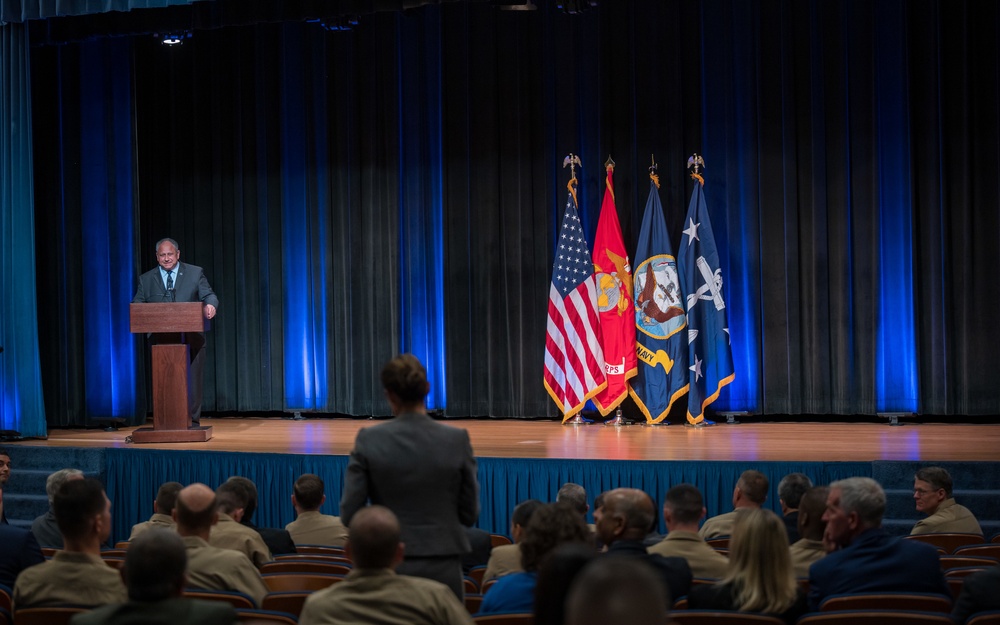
190,285
425,473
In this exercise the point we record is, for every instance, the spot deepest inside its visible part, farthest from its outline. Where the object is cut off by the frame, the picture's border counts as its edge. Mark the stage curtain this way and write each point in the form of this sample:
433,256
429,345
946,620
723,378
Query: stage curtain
23,10
85,214
397,187
22,407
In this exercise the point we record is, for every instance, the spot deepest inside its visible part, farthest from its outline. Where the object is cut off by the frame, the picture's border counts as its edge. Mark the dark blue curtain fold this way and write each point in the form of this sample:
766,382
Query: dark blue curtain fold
24,10
86,220
22,407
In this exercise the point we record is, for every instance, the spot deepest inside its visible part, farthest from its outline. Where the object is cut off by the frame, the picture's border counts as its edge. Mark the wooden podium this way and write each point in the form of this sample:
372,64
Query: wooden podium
170,322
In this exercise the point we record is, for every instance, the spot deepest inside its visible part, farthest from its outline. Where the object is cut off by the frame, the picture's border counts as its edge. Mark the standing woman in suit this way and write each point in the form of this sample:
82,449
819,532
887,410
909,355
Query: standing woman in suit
174,281
421,470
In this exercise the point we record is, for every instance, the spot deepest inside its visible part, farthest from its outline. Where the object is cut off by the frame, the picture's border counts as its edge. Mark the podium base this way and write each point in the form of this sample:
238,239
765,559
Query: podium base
194,434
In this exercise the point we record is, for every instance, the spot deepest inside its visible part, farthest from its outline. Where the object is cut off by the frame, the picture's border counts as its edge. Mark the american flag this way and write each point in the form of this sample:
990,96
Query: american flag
574,362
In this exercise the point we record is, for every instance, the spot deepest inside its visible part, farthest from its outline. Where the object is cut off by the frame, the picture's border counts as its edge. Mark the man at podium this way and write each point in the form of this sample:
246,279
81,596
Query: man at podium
174,281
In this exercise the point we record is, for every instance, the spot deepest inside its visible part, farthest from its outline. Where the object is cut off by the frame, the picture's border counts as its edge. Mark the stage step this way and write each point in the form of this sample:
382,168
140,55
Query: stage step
24,496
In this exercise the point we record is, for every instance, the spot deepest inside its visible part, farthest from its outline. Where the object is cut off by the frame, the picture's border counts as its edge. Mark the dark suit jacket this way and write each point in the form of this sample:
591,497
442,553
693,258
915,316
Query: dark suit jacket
425,473
720,597
877,562
18,551
277,540
792,526
481,545
167,612
190,285
979,593
675,572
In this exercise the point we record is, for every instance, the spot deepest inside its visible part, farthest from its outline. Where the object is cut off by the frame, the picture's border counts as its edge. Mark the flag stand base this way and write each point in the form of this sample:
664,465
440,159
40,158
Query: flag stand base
618,420
704,423
731,416
577,420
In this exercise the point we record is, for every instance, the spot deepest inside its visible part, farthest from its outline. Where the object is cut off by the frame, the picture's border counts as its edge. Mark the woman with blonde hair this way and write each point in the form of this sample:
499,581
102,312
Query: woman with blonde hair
760,577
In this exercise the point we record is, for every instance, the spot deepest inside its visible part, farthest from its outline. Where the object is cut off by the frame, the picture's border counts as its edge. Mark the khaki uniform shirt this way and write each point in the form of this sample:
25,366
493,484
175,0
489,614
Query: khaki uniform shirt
157,520
381,597
703,560
228,534
69,577
314,528
504,559
212,568
804,552
718,526
949,517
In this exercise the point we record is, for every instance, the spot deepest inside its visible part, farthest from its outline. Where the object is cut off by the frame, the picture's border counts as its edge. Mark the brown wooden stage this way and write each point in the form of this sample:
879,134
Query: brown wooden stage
776,441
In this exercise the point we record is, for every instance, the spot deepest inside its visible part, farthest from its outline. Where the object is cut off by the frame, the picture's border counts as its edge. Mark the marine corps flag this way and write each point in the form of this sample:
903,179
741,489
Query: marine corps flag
710,356
660,340
574,364
614,301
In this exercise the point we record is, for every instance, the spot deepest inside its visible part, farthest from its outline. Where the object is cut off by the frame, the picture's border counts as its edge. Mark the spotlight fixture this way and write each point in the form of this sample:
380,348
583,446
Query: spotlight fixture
522,5
572,7
174,38
337,23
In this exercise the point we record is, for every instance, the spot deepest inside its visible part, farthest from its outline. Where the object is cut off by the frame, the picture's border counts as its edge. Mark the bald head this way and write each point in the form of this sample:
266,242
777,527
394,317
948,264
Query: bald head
627,515
374,542
196,510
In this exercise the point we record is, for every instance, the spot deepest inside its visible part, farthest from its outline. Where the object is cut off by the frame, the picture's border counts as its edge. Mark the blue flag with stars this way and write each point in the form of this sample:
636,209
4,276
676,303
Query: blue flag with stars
660,340
710,356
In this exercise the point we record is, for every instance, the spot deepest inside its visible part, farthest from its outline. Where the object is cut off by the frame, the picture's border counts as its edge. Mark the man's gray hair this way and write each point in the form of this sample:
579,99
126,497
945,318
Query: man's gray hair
55,481
937,477
575,495
864,496
792,487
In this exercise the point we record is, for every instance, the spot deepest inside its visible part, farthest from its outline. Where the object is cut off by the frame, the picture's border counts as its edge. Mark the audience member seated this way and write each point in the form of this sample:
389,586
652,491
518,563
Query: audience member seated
598,511
790,491
760,578
311,527
77,574
480,548
277,540
627,516
506,559
979,593
18,551
163,509
868,559
750,492
5,468
576,497
228,533
810,547
154,575
932,494
555,577
45,528
551,525
372,593
212,568
683,509
615,591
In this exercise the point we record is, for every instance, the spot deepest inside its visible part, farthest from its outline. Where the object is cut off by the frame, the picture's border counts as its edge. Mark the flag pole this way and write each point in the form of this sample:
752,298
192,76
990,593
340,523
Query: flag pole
655,177
617,420
695,163
572,161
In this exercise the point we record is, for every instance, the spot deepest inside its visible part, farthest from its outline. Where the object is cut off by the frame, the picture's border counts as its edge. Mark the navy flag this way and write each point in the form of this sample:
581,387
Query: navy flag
710,356
660,343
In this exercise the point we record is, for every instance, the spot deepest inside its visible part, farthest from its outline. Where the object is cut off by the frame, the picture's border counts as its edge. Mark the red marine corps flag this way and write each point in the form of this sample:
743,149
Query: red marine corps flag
574,364
614,301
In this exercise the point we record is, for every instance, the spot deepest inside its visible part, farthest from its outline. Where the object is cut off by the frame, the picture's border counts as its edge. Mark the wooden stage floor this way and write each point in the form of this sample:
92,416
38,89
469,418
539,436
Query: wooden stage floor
548,439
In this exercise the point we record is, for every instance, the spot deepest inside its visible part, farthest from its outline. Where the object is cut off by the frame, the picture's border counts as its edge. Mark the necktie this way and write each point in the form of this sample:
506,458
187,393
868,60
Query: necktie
170,282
